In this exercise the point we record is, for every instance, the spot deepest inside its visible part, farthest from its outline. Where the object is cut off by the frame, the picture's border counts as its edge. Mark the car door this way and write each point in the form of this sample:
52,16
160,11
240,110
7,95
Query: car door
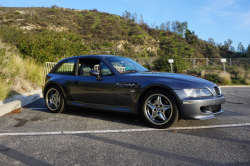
86,88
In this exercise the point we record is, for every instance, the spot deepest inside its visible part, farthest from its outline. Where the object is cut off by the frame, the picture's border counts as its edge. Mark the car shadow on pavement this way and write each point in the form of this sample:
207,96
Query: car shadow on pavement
106,115
119,117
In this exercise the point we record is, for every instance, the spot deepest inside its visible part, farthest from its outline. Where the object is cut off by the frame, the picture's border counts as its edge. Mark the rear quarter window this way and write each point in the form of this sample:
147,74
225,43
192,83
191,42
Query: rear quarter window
66,67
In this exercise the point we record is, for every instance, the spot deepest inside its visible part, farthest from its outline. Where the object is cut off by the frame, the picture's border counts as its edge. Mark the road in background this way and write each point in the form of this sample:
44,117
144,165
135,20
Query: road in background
108,138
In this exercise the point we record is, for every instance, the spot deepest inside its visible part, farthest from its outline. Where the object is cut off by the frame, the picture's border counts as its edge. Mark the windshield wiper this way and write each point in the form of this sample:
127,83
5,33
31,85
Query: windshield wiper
130,71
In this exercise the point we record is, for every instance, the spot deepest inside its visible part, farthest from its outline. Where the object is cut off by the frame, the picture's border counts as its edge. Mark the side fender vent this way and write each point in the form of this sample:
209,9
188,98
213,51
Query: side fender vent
129,85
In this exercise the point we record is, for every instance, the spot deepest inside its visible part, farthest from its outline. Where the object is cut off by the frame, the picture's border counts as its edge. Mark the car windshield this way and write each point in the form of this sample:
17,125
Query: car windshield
125,65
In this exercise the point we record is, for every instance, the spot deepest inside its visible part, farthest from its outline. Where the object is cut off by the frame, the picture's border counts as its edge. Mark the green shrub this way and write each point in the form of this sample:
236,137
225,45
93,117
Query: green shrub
162,64
51,46
107,44
212,77
46,45
147,66
196,71
236,81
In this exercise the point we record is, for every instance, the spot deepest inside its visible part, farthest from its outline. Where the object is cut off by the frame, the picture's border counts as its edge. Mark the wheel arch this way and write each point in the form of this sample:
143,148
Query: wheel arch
53,84
175,97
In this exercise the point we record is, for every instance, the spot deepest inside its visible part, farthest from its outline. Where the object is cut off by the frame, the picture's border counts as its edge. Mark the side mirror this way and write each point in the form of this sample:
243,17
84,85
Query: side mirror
95,73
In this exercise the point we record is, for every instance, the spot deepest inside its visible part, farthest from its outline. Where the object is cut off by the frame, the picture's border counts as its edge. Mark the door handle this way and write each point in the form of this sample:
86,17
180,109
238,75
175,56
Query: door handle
75,82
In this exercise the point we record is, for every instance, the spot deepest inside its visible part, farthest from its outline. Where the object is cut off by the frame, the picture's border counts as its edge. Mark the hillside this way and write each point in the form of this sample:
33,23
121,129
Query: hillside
49,34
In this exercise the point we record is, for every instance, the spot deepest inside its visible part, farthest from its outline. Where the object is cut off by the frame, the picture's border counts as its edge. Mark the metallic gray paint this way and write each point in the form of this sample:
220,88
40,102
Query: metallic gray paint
193,110
116,93
89,90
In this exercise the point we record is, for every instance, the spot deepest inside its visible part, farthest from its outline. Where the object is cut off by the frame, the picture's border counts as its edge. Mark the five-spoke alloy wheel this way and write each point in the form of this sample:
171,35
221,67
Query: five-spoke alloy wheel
159,109
54,100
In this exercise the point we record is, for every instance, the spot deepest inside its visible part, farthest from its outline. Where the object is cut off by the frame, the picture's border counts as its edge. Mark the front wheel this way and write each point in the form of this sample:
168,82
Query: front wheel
54,100
159,109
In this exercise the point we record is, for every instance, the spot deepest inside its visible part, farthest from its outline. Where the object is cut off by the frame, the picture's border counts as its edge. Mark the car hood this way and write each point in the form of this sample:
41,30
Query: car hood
181,77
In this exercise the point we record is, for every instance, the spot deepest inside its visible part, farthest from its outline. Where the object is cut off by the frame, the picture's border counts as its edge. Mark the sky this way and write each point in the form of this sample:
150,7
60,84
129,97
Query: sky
218,19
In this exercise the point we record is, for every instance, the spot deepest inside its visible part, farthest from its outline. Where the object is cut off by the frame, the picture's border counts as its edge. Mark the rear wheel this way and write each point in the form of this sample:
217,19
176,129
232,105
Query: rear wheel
54,100
159,109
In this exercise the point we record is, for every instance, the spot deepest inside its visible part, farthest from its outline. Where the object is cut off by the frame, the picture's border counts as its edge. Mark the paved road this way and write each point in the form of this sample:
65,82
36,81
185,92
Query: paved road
91,137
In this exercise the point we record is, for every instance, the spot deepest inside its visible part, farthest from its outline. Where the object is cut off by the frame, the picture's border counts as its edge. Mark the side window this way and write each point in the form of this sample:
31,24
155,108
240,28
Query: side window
105,71
67,67
86,65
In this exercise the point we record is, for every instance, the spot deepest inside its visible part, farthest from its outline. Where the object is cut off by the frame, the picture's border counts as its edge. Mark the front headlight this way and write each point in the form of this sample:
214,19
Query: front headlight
197,92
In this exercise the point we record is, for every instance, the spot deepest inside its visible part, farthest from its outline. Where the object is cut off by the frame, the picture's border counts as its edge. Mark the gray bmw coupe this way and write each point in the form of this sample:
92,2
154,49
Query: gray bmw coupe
119,84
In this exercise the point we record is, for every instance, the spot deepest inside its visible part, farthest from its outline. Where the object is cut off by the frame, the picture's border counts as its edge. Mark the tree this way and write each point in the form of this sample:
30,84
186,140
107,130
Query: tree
141,20
191,38
219,45
162,26
168,26
135,17
240,48
182,27
248,50
153,25
126,15
232,49
174,26
227,44
211,41
178,27
54,6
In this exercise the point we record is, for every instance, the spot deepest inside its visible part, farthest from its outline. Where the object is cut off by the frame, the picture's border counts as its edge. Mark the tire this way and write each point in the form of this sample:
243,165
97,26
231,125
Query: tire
54,99
159,109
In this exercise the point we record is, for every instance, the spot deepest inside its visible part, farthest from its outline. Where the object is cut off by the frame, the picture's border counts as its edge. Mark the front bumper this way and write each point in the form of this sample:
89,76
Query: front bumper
199,108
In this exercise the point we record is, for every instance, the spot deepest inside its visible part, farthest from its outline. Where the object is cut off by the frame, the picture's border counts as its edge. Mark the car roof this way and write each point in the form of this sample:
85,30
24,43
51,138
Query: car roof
89,56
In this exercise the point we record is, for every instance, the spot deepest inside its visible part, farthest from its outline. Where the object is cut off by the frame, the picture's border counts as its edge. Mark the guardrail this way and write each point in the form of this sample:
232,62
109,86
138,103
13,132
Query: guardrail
47,68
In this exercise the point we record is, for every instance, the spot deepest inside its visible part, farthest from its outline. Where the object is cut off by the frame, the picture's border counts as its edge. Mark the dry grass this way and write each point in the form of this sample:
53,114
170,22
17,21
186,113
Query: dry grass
241,73
225,78
28,69
33,72
203,73
248,75
14,66
4,86
4,89
248,81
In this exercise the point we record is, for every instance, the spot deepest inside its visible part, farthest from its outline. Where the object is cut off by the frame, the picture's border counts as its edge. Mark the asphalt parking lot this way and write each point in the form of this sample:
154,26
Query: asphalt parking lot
91,137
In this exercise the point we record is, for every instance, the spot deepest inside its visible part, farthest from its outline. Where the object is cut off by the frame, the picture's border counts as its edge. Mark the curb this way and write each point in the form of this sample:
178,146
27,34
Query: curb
6,108
236,86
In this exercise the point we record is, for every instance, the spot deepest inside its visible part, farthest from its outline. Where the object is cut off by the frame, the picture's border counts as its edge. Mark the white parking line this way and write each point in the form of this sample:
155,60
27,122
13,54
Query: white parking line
37,108
120,131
